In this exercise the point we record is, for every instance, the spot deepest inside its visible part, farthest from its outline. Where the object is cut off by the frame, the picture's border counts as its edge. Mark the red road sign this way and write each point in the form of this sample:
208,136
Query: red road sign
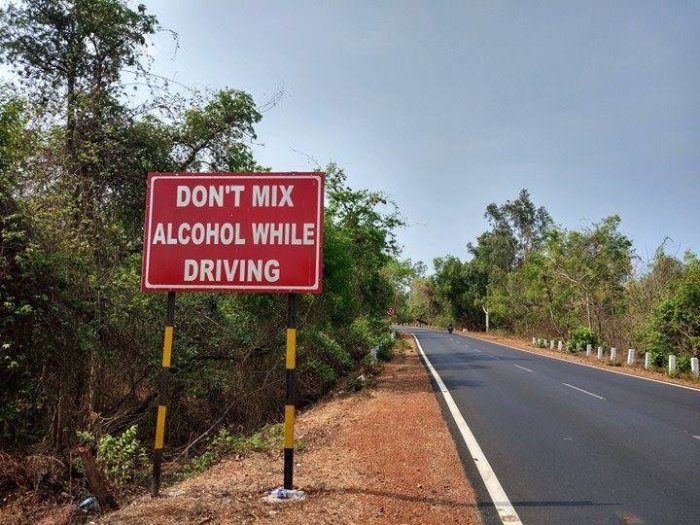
238,232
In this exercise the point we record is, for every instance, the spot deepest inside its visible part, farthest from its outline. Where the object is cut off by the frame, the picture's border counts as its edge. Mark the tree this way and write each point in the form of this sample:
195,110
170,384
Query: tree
521,225
674,326
369,220
72,204
401,274
518,228
585,273
458,288
71,55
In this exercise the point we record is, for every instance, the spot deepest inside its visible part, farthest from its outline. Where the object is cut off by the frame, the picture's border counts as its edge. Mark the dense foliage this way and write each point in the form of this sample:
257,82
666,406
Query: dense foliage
79,343
535,278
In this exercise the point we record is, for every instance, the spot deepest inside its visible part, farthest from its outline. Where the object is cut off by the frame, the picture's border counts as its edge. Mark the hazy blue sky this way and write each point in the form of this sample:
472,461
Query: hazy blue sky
448,106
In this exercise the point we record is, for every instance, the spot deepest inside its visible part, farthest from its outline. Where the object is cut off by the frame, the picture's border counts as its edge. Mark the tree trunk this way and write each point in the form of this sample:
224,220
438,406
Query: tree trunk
588,312
96,480
57,422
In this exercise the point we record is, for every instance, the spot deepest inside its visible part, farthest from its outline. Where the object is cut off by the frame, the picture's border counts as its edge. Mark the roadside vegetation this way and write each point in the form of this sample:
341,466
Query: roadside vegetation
535,278
82,121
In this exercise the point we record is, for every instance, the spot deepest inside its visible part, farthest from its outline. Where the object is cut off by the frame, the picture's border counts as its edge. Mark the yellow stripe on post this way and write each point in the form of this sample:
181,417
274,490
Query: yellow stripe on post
289,426
160,427
167,346
291,348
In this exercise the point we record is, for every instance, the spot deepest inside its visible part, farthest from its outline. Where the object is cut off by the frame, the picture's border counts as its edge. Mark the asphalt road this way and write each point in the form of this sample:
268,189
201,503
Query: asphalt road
572,444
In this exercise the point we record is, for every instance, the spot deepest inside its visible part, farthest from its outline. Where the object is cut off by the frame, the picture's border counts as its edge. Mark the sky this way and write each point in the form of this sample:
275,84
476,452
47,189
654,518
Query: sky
447,106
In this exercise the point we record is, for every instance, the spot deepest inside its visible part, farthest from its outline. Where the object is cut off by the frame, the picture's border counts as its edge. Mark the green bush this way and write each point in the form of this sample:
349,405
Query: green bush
385,348
123,457
683,363
659,359
674,327
581,337
322,370
330,349
370,333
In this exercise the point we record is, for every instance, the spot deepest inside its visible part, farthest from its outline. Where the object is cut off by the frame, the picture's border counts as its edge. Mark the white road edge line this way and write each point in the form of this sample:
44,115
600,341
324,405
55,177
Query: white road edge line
523,368
584,391
500,500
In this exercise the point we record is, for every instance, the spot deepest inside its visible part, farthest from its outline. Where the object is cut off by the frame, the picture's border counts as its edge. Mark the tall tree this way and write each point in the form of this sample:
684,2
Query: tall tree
517,228
520,222
71,55
588,271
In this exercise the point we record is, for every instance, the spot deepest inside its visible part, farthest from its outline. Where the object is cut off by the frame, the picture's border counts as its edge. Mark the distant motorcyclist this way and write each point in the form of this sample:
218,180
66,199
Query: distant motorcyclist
450,328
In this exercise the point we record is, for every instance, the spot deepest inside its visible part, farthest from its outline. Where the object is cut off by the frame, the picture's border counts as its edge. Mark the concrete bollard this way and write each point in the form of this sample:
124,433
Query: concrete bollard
560,345
694,366
613,354
630,357
600,352
534,341
647,360
551,344
589,350
671,364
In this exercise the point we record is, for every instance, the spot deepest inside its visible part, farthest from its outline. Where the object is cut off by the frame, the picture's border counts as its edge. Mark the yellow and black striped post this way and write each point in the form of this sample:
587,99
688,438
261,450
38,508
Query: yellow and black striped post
163,394
289,404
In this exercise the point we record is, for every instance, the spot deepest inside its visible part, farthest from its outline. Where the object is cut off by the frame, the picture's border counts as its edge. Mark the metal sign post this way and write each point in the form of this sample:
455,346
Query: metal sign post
163,394
290,402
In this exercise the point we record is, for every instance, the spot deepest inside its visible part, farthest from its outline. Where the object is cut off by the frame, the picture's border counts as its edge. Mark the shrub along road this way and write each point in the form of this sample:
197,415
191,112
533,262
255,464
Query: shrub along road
573,444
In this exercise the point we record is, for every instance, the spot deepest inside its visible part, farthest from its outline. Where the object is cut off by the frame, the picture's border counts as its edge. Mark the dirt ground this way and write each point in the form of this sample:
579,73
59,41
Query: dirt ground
581,357
384,455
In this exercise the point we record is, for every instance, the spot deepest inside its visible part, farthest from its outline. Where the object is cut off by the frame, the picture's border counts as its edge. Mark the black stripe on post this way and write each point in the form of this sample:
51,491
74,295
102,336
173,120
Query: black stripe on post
288,468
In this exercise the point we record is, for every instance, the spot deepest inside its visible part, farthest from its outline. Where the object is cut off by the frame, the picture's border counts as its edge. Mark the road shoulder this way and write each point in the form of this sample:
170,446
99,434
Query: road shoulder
384,455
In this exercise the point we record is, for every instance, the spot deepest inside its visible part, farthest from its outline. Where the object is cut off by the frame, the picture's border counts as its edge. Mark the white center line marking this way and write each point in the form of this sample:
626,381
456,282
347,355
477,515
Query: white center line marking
494,357
477,350
584,391
524,368
500,500
696,437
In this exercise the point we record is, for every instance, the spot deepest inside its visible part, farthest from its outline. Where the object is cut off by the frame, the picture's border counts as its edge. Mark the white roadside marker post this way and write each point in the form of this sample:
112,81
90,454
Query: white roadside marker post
560,345
647,360
630,357
551,344
671,364
600,353
589,350
613,354
694,366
